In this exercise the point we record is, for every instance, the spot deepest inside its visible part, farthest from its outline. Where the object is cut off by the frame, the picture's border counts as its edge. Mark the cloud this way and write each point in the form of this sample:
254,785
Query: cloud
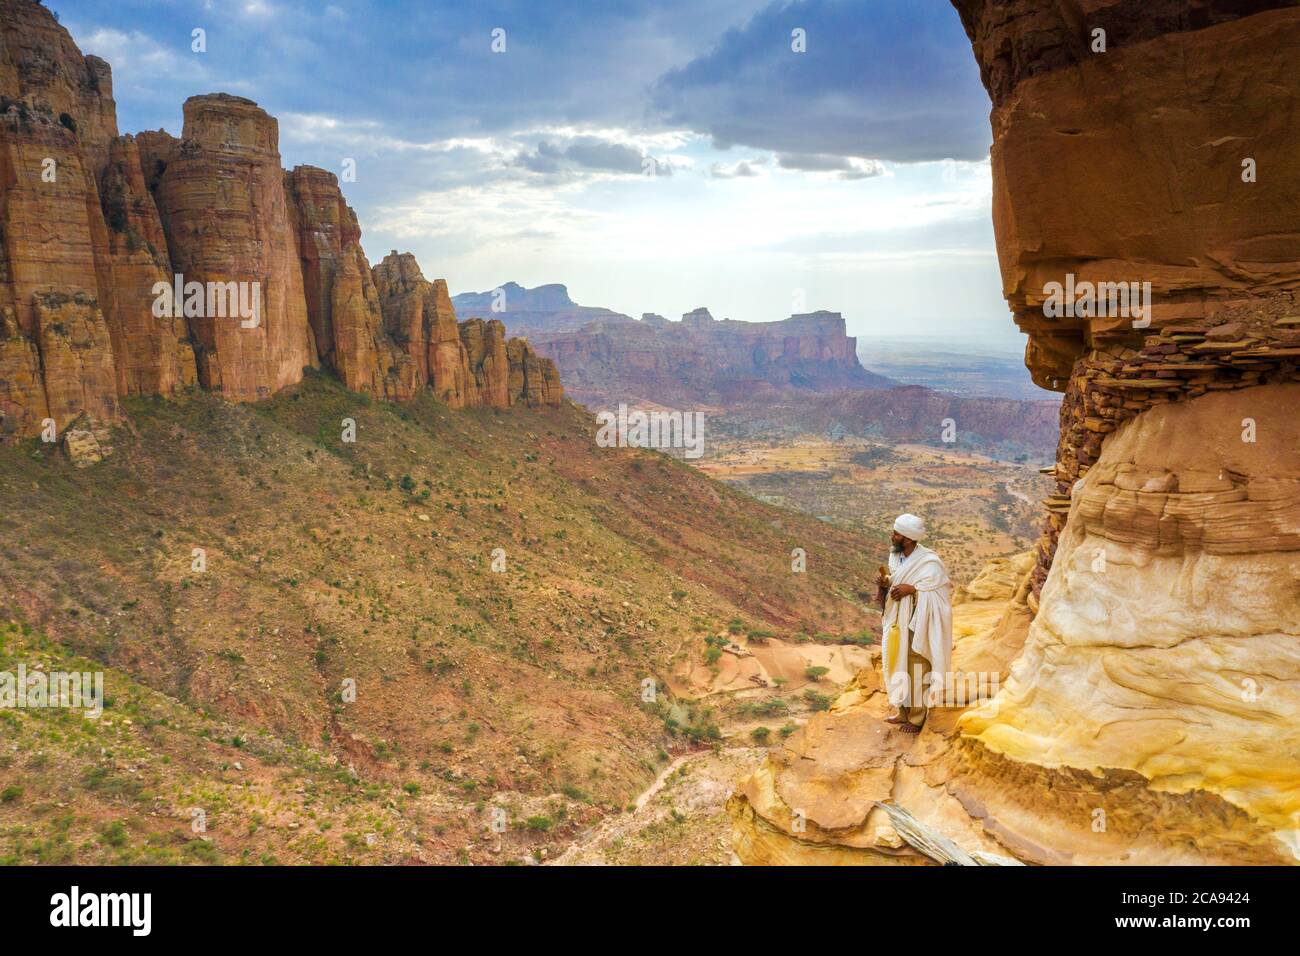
846,167
745,169
139,59
550,157
893,80
528,163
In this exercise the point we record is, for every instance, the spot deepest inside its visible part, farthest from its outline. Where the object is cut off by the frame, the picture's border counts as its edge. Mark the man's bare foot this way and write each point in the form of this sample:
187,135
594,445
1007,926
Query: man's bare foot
910,729
898,718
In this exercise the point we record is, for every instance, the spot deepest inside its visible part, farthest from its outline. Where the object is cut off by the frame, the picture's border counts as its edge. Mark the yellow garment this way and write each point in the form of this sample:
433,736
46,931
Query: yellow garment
910,694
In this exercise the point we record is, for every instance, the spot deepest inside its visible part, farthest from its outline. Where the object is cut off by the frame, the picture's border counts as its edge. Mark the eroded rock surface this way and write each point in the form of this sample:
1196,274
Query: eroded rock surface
1130,165
702,359
57,118
343,303
93,224
1166,643
814,800
1149,665
468,363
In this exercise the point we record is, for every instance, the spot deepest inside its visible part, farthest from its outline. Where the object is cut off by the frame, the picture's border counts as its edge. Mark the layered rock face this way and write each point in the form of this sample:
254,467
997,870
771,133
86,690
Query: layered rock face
1166,642
488,355
466,364
343,303
153,354
1151,143
701,359
93,225
1146,143
1148,709
222,201
57,119
420,317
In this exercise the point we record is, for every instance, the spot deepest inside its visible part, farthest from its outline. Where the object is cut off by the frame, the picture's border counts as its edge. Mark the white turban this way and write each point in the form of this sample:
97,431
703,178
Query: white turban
910,526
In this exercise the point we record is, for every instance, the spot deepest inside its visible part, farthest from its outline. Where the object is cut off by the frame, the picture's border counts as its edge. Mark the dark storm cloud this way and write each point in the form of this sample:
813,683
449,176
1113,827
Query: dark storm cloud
587,152
425,69
889,79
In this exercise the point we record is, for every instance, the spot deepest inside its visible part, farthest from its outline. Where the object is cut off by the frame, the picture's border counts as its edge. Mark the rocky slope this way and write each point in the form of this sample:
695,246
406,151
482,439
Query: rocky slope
1148,711
417,562
90,221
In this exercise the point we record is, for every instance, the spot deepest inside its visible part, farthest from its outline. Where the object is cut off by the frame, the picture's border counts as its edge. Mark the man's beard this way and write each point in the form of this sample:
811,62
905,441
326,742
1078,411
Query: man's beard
896,548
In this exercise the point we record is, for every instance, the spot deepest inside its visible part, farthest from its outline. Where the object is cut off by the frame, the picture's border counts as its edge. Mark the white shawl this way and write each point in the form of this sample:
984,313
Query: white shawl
927,615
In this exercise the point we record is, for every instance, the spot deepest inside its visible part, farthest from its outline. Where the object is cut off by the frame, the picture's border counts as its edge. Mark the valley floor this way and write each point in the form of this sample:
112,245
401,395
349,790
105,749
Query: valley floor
308,647
976,508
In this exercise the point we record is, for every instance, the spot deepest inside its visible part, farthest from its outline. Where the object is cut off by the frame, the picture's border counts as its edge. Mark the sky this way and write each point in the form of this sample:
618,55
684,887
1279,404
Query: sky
755,157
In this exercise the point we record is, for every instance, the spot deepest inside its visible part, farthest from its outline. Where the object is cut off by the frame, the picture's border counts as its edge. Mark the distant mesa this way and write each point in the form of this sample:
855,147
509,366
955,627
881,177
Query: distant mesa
515,298
604,356
546,308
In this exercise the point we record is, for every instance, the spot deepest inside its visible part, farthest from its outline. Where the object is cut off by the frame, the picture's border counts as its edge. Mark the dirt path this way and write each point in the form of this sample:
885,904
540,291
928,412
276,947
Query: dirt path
1018,494
679,819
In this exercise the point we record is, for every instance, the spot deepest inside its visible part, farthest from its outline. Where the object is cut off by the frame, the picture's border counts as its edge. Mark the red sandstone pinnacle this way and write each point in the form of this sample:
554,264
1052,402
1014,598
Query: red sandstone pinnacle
466,364
343,304
56,357
227,171
92,222
153,354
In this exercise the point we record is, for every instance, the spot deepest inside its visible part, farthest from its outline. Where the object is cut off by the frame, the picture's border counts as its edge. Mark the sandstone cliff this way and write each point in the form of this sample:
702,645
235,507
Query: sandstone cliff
1147,711
704,360
466,364
1146,183
343,302
57,122
91,223
222,201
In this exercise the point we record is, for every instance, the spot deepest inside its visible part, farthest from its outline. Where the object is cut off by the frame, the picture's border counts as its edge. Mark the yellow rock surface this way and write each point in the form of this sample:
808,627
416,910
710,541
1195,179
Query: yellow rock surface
1167,639
813,801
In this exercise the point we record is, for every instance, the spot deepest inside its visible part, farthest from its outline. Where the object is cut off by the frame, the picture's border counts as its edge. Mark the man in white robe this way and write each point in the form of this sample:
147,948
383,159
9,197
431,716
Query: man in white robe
916,600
